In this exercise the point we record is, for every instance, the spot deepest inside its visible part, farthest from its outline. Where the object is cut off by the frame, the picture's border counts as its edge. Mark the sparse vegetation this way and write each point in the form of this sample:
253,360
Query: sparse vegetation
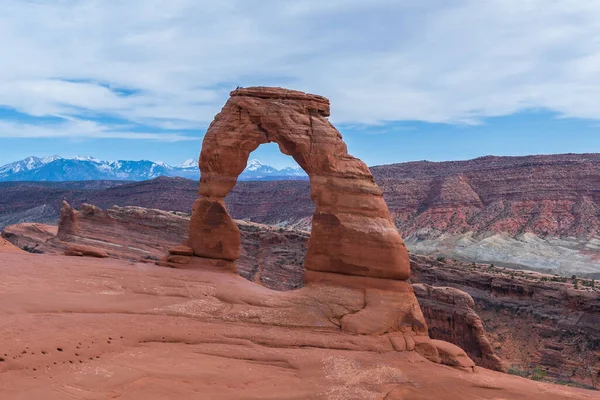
594,375
591,283
32,249
518,372
536,374
441,259
557,278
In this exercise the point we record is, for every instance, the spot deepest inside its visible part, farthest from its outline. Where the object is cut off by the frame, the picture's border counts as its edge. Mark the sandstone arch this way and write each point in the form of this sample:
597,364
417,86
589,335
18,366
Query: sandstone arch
352,231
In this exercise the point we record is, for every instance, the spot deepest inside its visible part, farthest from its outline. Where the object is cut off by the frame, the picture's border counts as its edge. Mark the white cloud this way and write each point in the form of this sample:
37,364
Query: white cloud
453,61
73,128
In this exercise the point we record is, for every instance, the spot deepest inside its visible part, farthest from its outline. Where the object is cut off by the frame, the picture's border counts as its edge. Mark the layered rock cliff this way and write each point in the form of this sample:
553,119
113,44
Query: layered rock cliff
533,321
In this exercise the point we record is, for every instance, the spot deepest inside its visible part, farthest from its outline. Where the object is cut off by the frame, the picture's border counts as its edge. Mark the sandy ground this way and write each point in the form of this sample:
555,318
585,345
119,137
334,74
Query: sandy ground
78,328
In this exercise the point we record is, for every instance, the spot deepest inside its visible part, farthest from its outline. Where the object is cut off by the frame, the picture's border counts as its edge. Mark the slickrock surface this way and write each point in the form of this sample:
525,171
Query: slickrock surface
352,230
103,329
7,247
78,250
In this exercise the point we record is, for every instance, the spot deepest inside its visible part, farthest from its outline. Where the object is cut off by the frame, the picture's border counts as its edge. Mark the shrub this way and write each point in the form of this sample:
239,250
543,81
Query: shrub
538,374
32,249
518,372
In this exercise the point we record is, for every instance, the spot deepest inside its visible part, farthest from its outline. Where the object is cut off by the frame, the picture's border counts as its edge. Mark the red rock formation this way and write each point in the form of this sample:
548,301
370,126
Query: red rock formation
29,235
352,231
450,317
78,250
213,233
124,232
68,221
353,242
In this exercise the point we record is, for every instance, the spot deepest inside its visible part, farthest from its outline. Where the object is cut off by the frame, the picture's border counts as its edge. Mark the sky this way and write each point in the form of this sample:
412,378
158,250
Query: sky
408,80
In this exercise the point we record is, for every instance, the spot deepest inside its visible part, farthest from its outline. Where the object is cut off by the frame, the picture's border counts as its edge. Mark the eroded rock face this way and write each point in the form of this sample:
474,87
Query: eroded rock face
450,316
68,221
531,319
29,235
215,234
564,336
352,230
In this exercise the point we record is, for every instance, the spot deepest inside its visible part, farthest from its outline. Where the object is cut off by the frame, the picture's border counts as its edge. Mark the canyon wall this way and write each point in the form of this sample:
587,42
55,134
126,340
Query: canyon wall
533,320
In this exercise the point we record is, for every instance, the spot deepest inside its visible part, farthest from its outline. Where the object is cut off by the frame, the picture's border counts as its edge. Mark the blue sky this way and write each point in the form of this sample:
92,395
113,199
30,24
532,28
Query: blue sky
434,79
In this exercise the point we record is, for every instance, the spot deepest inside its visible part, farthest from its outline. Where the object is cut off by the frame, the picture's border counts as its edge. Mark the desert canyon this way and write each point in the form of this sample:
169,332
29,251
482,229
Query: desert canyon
133,303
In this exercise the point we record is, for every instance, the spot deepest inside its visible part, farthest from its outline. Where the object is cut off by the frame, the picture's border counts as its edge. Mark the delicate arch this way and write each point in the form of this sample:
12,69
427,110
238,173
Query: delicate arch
352,230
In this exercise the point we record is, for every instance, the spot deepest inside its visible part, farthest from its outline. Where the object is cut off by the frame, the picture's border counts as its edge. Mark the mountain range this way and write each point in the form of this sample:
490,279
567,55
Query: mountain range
61,169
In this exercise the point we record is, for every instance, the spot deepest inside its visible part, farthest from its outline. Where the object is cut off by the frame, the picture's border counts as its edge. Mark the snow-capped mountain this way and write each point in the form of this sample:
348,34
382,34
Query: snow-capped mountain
191,163
56,168
257,170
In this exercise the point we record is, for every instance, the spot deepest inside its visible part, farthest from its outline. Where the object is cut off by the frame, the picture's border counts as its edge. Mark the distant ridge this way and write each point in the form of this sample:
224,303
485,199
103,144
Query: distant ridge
60,169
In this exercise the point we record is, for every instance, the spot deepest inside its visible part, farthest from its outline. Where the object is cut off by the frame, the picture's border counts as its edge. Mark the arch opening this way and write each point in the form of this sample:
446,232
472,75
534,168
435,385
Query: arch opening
273,244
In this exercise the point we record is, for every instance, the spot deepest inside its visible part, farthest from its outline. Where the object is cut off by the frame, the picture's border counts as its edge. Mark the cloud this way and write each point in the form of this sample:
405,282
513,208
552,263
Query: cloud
170,65
81,129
